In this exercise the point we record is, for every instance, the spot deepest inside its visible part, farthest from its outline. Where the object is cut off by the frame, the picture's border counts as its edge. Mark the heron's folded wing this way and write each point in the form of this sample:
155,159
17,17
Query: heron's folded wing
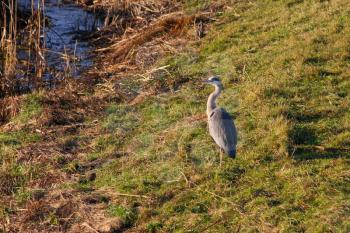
222,129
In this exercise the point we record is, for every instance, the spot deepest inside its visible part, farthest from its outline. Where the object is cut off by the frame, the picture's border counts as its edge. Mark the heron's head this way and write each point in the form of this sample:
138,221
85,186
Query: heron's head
214,80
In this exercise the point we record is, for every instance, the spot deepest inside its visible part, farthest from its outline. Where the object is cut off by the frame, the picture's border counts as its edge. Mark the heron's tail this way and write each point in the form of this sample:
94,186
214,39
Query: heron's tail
232,154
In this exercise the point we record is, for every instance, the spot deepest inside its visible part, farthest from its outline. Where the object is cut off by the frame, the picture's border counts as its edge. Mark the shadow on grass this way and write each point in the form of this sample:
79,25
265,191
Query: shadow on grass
302,134
315,152
304,145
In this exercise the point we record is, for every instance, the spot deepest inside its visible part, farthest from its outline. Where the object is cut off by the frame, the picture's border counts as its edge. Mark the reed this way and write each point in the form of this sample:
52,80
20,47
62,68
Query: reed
36,44
31,38
8,46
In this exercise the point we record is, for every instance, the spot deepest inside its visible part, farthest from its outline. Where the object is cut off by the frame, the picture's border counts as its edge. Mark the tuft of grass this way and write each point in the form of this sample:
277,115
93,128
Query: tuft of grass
30,109
154,227
12,140
12,179
128,215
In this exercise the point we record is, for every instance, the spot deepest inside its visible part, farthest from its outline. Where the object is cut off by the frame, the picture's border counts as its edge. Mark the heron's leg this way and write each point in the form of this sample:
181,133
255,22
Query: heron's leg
220,157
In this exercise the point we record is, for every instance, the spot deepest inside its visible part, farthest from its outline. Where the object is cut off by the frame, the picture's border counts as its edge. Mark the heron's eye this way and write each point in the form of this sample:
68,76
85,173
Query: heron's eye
215,79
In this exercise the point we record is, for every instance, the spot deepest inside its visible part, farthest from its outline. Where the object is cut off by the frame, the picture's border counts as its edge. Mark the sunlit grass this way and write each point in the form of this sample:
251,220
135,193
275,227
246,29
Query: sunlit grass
14,176
284,66
30,109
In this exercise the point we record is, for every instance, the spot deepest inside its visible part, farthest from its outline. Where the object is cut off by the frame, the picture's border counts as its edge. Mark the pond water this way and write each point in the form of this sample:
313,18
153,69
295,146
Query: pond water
67,25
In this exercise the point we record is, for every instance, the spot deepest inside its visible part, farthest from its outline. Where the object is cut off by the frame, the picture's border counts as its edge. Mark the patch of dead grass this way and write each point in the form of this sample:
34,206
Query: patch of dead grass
9,107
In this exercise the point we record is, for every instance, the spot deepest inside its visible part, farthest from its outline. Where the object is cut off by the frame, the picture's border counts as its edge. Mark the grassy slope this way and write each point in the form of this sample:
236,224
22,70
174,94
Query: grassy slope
15,175
285,66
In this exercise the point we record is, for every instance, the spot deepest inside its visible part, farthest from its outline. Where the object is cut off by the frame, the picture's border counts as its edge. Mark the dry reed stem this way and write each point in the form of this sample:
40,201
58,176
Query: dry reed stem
11,82
9,46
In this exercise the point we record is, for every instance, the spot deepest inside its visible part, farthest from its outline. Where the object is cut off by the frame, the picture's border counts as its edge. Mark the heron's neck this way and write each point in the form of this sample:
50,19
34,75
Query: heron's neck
211,104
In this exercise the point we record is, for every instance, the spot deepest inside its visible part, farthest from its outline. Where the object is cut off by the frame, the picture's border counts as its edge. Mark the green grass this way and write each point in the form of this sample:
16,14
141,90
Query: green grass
195,5
14,176
128,215
30,109
285,66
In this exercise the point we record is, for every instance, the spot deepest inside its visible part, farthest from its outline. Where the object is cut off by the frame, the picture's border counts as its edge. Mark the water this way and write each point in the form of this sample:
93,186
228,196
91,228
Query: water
68,23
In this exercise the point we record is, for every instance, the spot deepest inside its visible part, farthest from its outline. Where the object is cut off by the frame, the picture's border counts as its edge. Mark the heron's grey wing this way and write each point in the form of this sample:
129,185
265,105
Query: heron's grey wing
223,130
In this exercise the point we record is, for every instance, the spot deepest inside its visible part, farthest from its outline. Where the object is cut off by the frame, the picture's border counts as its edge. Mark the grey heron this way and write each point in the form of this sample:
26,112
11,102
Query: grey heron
221,126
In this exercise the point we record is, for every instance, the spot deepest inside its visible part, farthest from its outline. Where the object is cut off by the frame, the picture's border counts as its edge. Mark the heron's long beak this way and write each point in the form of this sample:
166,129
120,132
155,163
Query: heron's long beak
206,81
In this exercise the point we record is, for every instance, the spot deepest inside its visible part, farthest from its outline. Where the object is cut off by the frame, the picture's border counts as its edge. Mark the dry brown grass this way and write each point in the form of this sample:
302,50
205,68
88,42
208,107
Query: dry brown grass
140,34
131,24
128,9
9,107
69,113
173,24
54,210
9,182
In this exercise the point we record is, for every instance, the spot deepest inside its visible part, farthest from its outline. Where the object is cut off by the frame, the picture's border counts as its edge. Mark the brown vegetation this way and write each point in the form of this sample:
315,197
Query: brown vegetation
140,34
9,107
136,31
8,47
173,23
